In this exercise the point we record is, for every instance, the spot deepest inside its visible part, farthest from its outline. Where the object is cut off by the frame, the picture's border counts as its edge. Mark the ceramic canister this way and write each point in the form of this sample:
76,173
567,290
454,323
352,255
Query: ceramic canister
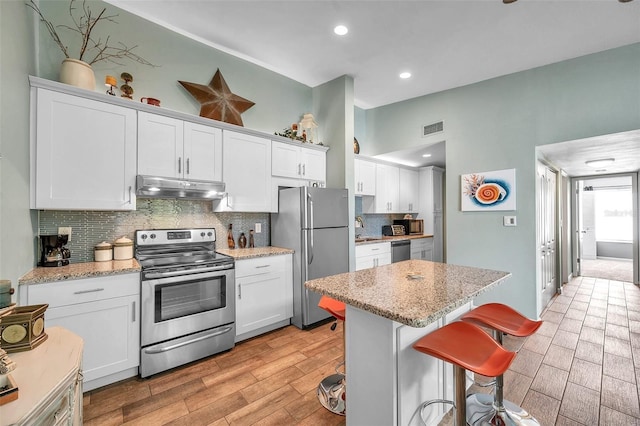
102,252
122,249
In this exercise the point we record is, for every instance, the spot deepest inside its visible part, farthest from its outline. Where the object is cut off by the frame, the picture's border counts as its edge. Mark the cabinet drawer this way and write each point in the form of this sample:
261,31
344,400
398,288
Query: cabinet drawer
373,249
260,265
62,293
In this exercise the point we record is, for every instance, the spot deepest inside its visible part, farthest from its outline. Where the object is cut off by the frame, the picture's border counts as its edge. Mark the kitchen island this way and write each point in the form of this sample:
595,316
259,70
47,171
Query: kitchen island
388,309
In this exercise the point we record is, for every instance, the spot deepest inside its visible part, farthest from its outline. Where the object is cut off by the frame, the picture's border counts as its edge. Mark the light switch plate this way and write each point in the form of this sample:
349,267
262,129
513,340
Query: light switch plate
509,221
64,230
258,228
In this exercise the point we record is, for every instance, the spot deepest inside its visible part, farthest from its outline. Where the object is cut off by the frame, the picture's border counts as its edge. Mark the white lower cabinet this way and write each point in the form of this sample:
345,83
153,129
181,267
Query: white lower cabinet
264,294
372,255
422,248
103,311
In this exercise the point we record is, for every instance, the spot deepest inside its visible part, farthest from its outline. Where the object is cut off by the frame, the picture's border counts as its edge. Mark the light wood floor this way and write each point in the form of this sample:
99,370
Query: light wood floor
582,367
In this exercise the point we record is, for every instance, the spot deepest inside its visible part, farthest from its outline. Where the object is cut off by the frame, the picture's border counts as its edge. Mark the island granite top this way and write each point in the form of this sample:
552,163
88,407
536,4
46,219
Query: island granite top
74,271
414,292
249,253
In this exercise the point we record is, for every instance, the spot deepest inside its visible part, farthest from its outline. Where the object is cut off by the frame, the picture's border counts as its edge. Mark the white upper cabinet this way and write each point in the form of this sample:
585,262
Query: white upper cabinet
246,173
298,162
409,191
387,198
174,148
365,176
83,153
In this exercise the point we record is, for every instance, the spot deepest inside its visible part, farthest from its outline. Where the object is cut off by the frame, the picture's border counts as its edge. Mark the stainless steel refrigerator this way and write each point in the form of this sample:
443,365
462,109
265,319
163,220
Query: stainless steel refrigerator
314,223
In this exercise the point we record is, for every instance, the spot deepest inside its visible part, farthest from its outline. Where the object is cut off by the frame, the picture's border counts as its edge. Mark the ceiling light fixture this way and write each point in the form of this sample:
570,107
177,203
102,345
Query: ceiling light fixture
341,30
599,163
426,155
405,75
508,1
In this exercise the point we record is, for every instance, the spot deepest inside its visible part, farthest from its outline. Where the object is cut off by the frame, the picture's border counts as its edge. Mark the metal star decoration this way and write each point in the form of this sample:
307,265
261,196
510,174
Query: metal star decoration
216,100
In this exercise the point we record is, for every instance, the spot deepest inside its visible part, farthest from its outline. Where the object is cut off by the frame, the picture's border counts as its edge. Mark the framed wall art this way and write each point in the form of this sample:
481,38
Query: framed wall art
489,191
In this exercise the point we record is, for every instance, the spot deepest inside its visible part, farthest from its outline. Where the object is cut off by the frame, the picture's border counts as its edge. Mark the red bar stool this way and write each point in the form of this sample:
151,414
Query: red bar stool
332,390
467,347
502,319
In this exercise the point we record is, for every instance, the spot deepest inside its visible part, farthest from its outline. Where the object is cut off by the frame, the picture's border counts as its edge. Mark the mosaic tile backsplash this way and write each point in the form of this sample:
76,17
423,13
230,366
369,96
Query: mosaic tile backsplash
373,222
91,227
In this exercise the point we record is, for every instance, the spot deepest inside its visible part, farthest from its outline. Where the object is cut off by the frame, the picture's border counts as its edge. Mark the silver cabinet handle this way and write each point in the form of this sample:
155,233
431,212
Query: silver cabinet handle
239,292
179,165
88,291
304,170
262,266
129,194
133,311
299,165
188,165
375,249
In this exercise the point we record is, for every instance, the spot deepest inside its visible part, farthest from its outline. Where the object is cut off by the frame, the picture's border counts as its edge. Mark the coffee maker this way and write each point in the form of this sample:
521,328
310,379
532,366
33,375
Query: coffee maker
53,251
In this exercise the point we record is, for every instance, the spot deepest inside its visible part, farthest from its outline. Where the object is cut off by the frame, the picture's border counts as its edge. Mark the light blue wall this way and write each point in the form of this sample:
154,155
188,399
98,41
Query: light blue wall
279,101
497,124
17,223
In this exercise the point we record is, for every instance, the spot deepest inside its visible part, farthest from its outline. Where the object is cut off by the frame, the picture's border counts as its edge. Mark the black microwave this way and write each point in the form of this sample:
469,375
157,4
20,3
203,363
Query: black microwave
411,226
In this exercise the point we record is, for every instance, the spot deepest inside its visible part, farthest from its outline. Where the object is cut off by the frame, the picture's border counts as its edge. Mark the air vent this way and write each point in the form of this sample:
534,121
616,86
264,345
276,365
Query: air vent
430,129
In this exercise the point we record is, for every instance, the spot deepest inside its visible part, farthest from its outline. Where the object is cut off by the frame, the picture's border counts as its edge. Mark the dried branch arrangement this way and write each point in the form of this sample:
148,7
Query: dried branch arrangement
84,21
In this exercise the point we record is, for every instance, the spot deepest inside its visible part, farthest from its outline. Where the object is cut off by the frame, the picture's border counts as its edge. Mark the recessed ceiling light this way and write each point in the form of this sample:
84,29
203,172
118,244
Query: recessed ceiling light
405,74
341,30
599,163
426,155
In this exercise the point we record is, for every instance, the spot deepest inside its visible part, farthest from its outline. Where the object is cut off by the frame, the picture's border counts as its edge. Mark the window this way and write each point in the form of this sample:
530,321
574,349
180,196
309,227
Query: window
614,214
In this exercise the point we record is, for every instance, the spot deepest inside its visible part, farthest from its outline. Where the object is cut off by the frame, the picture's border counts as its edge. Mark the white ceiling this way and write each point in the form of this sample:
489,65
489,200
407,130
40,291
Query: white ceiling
444,44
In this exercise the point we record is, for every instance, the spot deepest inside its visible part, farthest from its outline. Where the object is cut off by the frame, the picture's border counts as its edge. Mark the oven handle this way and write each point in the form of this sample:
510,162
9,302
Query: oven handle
186,272
152,351
182,277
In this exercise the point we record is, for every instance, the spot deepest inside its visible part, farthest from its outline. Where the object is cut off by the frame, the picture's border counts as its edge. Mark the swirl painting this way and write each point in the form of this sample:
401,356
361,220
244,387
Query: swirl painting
489,191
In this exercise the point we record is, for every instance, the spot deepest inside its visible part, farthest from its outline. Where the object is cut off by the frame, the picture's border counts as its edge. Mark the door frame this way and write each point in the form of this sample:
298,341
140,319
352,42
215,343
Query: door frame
635,223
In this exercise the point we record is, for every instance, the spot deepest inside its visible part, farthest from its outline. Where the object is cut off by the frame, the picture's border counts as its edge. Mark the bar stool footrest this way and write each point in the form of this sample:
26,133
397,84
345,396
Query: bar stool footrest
481,411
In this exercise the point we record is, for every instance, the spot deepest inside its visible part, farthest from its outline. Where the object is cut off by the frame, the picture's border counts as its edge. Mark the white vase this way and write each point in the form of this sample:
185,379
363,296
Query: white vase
77,73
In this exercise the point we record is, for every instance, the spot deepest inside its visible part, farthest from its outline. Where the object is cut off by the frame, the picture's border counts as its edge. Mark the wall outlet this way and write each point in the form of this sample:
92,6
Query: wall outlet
258,228
509,221
64,230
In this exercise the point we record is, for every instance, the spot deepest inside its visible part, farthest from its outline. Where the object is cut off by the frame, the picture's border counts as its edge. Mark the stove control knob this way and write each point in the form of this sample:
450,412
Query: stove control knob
143,236
202,234
209,234
152,236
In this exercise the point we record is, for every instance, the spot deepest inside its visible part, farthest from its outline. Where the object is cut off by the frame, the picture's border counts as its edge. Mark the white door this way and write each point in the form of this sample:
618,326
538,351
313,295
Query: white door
202,152
160,142
546,234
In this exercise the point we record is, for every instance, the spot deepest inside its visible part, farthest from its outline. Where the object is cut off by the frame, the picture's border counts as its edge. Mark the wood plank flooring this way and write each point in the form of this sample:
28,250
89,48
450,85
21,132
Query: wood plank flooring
581,368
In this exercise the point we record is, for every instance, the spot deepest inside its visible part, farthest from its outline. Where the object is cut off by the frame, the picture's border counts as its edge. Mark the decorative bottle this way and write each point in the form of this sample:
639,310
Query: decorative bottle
251,242
242,241
230,241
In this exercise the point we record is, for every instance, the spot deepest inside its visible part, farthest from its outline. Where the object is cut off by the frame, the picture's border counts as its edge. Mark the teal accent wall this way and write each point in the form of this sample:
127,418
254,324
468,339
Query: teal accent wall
18,224
497,124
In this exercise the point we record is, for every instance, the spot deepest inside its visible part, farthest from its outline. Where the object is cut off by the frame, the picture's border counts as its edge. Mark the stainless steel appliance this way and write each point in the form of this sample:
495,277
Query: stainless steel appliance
53,251
411,226
400,250
187,293
162,187
314,223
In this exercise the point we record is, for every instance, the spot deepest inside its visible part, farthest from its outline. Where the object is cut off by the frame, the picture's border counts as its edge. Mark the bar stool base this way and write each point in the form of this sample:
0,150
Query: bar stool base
482,412
332,393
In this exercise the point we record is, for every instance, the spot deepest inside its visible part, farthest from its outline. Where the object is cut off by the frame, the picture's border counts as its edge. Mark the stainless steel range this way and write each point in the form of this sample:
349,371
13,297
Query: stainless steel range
187,297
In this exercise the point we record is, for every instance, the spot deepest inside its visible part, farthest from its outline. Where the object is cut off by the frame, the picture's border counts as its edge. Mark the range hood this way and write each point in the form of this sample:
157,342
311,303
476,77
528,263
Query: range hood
161,187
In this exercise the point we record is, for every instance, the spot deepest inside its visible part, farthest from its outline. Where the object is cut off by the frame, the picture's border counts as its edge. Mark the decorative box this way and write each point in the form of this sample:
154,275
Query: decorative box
8,389
23,328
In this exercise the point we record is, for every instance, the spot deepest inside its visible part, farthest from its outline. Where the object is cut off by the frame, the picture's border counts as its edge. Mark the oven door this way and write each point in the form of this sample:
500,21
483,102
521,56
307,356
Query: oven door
175,306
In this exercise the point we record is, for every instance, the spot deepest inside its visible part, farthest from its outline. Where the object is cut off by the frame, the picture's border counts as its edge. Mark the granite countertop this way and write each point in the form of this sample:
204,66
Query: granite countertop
413,292
381,239
79,270
249,253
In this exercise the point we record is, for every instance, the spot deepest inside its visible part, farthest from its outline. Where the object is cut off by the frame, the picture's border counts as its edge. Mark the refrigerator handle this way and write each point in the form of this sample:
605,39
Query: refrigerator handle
310,205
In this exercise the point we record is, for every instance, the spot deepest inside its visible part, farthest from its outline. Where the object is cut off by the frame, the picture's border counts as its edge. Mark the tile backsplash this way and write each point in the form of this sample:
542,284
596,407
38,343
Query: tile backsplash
91,227
373,222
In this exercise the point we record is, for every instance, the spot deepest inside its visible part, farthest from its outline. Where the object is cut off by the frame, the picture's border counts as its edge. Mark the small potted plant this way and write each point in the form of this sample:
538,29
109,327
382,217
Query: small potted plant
78,71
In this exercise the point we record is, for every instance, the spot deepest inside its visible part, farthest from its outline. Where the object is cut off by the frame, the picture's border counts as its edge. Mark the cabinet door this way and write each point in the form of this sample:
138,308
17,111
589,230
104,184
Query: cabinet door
246,173
160,143
84,154
259,301
408,188
110,329
387,186
285,160
365,172
314,165
202,152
